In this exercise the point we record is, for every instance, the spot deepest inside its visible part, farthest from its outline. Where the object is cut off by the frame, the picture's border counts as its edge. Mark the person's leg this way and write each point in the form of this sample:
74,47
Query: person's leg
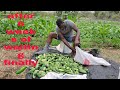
73,39
51,36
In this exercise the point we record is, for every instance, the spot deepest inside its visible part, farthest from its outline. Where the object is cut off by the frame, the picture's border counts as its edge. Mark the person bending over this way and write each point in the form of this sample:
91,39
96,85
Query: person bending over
64,32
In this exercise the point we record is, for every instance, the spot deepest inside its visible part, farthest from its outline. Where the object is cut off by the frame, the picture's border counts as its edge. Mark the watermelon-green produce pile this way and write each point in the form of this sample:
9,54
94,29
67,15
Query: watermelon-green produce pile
54,62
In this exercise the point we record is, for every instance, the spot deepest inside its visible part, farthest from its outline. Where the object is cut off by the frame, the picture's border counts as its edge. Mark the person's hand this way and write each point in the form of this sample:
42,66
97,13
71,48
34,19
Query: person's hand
73,52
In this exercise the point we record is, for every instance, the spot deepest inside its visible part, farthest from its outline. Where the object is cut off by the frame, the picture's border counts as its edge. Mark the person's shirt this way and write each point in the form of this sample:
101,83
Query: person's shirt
68,30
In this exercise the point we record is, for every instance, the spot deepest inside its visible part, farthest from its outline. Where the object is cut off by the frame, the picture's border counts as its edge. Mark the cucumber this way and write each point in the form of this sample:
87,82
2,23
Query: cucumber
37,66
56,63
82,71
35,73
32,70
41,74
21,70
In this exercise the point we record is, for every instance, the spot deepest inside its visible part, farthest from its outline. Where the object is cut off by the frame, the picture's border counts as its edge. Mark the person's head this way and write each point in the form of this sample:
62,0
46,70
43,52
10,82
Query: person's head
60,23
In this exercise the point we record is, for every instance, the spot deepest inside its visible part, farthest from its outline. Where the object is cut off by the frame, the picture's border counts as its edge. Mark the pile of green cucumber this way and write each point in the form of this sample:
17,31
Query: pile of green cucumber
53,62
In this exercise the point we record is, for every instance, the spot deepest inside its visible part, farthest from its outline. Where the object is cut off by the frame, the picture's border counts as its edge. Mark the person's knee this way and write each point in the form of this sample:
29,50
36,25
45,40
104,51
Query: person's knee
73,39
79,38
51,35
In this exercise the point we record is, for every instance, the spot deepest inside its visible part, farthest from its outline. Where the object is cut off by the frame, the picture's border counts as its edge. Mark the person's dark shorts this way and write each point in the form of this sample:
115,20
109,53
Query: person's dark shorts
69,39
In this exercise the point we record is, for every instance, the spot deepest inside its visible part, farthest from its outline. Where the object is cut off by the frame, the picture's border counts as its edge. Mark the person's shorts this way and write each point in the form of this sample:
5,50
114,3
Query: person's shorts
69,39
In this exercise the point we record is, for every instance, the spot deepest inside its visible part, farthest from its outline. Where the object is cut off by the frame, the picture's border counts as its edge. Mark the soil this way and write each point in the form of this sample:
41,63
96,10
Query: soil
8,72
111,54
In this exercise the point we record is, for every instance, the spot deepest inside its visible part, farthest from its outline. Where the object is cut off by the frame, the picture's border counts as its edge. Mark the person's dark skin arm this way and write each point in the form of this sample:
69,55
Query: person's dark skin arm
65,42
77,42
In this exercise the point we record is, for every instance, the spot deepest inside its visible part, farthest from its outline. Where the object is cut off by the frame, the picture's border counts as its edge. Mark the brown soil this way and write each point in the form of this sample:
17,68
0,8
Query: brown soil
111,54
8,72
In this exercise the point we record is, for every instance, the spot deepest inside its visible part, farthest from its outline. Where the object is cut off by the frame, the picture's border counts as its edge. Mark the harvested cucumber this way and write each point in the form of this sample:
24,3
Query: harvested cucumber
21,70
58,63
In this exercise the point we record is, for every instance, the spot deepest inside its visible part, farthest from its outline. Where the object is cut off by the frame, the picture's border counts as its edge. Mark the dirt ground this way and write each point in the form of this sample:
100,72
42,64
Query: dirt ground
8,72
111,54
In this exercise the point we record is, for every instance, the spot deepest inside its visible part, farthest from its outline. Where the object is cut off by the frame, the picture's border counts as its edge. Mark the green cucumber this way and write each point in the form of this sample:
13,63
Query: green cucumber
35,73
21,70
32,70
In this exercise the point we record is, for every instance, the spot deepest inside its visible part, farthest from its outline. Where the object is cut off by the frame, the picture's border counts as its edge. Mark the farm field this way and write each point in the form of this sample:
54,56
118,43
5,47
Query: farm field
94,33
